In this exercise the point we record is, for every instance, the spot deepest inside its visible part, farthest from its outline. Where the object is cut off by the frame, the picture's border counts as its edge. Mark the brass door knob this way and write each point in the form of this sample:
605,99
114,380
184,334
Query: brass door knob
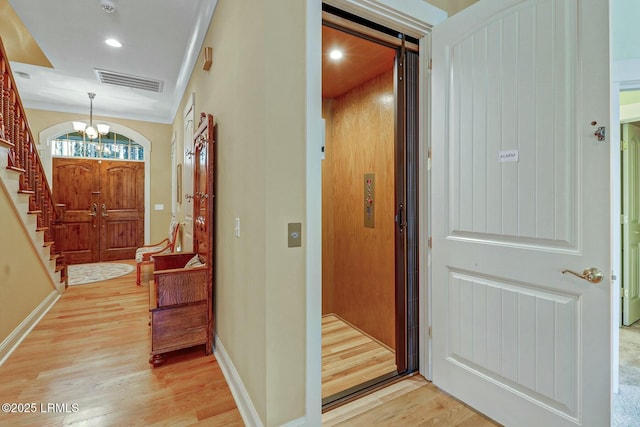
591,274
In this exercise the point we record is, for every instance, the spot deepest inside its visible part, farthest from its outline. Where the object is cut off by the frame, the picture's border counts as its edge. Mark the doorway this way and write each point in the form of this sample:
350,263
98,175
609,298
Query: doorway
630,161
100,208
624,408
369,205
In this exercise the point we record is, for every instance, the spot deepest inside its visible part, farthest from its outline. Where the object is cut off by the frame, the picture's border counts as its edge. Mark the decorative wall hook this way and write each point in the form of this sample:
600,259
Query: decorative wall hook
207,58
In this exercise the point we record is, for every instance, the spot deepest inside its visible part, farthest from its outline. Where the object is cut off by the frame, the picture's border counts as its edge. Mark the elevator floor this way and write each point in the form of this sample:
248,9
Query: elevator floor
350,357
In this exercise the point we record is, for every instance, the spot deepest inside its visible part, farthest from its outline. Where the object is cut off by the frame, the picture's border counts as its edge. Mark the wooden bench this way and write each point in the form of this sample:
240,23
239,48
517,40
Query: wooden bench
180,306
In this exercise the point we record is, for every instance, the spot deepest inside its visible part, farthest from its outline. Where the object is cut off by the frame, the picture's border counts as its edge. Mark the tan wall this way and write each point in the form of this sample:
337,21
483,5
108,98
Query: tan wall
160,160
24,282
255,89
452,6
361,142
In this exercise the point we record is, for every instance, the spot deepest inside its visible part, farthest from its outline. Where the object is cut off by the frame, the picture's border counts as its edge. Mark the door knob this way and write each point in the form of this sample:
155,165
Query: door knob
591,274
94,210
104,210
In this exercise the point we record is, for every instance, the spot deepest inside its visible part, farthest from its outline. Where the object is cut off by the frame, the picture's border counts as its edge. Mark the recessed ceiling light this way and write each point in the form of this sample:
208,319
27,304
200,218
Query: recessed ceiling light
108,6
113,42
336,54
386,99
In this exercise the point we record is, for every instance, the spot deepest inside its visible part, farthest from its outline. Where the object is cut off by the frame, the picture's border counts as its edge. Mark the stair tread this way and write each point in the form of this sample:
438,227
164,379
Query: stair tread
15,169
26,192
38,212
6,143
42,228
47,244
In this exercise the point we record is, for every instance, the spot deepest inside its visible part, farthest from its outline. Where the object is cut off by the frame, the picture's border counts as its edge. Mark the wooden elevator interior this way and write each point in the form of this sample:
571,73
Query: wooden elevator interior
359,112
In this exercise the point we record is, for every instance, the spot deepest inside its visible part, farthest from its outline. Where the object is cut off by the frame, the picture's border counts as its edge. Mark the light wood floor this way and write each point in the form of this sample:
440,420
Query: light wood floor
410,402
349,357
92,348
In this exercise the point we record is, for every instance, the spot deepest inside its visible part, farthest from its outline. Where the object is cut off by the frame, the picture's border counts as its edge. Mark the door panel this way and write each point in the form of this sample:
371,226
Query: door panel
76,185
187,180
521,193
631,223
204,190
121,209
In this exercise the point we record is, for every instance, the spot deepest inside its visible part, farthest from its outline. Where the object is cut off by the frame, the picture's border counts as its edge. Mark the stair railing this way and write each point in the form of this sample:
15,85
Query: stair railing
24,158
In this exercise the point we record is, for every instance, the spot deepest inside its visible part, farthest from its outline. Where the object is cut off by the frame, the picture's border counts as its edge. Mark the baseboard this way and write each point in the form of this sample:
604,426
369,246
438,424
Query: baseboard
298,422
20,333
240,395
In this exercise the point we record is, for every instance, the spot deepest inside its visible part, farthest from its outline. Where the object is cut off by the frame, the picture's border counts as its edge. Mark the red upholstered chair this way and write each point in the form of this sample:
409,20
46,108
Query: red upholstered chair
144,255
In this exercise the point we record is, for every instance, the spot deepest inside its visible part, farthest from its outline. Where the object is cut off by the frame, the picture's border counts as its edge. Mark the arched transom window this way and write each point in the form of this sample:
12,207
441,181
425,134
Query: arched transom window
110,146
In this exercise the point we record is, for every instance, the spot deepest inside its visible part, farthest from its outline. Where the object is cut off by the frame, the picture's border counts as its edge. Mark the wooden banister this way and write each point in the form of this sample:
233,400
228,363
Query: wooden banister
24,157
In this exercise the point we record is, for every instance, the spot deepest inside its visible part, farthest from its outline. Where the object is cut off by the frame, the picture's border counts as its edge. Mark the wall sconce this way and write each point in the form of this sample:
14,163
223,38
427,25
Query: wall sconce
207,59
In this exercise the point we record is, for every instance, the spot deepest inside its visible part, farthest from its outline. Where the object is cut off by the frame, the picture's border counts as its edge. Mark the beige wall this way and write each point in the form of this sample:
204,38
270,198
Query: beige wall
255,89
24,282
452,6
160,164
23,286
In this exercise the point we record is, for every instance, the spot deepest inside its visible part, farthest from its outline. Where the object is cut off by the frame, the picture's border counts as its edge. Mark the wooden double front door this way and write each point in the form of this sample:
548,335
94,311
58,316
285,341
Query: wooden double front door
101,208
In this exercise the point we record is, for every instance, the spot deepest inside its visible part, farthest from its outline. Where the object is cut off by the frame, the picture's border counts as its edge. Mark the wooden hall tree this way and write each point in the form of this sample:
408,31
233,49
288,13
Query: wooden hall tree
181,294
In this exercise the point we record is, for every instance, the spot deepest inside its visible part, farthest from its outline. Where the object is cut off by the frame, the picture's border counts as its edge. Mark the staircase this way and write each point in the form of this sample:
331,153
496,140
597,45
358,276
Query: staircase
22,177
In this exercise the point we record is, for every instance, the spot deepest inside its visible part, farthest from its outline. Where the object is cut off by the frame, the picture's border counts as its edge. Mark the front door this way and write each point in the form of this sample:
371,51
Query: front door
76,185
521,195
121,216
103,214
630,223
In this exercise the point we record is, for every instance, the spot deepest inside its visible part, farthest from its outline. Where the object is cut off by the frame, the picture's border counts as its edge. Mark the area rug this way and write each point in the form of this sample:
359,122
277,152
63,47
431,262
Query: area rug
81,274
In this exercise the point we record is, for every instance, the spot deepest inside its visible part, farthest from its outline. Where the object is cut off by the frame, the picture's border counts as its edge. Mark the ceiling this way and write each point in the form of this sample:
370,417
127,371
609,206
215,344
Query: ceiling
55,48
59,44
362,61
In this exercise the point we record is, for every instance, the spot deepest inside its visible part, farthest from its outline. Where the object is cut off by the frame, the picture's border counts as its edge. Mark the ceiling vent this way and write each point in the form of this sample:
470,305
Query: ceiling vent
127,80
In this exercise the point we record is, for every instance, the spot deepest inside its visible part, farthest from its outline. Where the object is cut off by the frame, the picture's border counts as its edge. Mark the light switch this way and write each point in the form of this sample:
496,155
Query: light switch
237,227
294,234
158,207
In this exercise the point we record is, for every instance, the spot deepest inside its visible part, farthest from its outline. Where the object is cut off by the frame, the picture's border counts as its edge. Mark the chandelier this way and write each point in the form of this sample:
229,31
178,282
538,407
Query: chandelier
90,131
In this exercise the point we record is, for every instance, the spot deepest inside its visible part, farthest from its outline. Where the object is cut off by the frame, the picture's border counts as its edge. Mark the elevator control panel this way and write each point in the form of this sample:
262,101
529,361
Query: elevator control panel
369,200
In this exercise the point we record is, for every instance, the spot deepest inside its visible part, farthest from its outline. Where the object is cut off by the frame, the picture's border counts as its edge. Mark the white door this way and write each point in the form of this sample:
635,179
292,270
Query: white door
187,176
630,223
521,193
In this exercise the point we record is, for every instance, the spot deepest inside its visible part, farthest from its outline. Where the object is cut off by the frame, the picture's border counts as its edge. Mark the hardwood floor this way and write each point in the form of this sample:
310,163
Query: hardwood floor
89,355
410,402
349,357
